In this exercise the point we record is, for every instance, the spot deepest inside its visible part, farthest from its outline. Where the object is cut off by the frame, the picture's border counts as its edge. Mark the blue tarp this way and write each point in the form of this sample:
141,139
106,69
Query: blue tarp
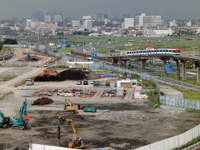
109,75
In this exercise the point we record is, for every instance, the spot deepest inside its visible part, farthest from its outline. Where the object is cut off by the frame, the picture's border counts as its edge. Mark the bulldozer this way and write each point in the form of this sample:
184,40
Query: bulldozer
75,142
69,106
83,69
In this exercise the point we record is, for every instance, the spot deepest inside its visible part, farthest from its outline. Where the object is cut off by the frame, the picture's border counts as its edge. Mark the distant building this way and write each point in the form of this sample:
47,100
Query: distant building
32,23
58,18
76,23
88,24
142,21
47,19
100,20
128,22
86,17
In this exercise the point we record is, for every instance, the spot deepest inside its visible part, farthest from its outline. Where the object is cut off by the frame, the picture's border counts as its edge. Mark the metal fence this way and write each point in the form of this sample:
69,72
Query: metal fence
178,102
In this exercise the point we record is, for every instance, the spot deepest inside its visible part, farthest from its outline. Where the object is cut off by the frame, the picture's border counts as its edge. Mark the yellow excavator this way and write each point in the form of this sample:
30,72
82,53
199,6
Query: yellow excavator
84,70
76,142
69,106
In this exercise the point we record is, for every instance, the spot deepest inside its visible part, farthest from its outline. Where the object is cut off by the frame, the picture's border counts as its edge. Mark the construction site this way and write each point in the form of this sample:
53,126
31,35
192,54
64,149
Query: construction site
77,108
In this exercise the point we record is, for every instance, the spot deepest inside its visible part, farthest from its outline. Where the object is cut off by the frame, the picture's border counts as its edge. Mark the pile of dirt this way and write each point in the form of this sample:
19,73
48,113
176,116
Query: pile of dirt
70,74
42,101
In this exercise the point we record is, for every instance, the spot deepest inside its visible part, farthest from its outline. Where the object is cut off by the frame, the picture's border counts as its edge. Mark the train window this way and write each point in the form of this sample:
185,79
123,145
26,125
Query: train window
164,50
157,50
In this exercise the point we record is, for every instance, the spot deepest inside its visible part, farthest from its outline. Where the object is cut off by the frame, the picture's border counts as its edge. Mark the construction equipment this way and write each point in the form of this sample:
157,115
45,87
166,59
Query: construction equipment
29,81
84,70
23,117
69,106
89,108
4,120
76,142
46,73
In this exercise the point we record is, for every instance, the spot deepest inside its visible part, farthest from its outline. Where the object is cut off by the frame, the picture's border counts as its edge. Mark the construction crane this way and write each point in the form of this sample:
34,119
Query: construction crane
84,70
23,117
4,120
76,142
69,106
46,73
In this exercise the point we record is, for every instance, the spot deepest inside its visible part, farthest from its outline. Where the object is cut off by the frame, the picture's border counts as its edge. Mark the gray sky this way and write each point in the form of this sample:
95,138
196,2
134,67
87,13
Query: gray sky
168,9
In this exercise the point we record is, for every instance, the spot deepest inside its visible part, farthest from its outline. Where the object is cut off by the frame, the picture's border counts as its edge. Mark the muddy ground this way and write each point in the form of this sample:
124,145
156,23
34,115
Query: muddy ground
154,125
139,126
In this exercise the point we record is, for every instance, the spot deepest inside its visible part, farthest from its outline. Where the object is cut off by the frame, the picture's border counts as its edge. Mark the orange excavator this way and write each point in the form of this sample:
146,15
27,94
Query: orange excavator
46,73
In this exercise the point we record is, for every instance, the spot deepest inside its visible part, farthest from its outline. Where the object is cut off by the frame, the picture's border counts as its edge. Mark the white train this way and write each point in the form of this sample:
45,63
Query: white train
155,52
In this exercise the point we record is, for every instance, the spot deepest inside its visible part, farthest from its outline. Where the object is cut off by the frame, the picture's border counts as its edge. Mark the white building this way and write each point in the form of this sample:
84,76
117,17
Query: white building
128,22
144,21
76,23
173,23
58,18
86,17
32,23
47,19
87,24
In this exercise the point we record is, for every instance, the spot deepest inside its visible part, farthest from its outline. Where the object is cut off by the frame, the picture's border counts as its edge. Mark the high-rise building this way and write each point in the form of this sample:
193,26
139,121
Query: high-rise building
100,17
76,23
58,18
144,21
87,24
47,19
128,22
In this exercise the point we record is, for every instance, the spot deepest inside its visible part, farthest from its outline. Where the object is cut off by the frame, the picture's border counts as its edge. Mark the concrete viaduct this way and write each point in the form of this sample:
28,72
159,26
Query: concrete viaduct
177,58
122,59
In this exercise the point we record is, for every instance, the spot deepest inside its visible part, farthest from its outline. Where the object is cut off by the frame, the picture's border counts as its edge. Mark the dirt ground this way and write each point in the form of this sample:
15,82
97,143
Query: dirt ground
122,124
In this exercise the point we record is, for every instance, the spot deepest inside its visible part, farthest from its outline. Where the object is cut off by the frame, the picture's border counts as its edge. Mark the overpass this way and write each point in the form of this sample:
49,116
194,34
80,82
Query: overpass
122,59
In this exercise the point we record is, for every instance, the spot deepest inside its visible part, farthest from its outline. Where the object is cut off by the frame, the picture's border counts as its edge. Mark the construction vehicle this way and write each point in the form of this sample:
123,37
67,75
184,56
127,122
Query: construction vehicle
69,106
89,108
4,120
84,70
23,117
29,81
76,142
46,73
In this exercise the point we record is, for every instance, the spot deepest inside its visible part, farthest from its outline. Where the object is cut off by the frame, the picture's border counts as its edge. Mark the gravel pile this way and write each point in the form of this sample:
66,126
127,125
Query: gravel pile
118,116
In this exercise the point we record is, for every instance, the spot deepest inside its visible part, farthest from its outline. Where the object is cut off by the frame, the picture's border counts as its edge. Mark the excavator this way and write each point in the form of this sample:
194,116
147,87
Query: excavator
5,121
76,142
84,70
23,117
46,73
69,106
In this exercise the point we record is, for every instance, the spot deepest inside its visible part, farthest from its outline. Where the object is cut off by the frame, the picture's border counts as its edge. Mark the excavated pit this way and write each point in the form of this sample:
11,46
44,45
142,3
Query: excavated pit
70,74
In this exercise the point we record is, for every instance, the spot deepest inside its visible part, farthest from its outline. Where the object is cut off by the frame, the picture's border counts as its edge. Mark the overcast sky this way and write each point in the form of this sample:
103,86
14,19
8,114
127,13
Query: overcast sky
168,9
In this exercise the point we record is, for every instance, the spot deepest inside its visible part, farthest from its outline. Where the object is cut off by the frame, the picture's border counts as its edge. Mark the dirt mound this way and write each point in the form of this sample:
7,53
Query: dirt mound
42,101
70,74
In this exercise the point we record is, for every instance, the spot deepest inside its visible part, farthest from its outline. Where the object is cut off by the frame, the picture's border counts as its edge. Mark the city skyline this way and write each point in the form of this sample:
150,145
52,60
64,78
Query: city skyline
169,9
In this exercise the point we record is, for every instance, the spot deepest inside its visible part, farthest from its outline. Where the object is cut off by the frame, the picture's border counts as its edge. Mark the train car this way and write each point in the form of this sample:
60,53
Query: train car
154,52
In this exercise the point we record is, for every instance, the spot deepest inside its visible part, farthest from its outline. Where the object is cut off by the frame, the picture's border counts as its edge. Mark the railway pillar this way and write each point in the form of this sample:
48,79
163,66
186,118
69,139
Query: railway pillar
197,64
198,74
177,69
183,70
164,63
142,64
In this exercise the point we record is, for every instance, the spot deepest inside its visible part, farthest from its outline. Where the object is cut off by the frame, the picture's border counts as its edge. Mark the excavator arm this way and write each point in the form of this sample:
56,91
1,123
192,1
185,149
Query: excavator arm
76,142
84,70
47,73
68,105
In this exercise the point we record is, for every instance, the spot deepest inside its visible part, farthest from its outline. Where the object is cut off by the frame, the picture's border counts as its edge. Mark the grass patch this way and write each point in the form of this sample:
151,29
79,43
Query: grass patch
20,83
6,94
192,110
7,78
65,50
153,99
188,94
